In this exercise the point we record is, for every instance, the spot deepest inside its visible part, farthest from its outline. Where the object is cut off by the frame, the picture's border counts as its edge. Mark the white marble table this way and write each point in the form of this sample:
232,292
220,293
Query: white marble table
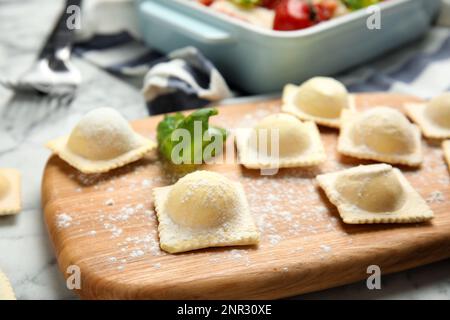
26,255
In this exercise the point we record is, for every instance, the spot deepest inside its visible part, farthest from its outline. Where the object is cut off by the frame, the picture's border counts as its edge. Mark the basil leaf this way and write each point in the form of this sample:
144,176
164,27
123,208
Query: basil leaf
170,123
246,3
359,4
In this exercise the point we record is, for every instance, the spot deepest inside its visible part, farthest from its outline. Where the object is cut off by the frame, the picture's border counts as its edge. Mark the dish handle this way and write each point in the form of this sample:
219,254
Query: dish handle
182,23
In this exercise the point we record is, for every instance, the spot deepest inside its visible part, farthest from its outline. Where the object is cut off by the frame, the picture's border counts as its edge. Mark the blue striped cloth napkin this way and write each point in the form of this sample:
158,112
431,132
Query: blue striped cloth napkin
186,79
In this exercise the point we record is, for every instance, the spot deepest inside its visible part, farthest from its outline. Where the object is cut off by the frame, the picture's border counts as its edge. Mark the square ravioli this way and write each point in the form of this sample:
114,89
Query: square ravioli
432,117
381,134
375,193
446,147
102,141
280,141
85,165
319,99
6,291
203,209
10,197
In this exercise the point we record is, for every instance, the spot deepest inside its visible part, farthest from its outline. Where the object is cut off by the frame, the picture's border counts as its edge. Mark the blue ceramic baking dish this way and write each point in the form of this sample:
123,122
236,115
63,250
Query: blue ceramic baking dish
263,61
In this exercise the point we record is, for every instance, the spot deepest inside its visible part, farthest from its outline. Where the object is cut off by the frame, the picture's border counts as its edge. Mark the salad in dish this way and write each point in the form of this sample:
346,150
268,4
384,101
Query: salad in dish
286,15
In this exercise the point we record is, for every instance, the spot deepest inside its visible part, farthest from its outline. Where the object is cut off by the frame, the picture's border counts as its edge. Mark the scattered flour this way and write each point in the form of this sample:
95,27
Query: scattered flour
325,248
136,253
109,202
436,196
235,254
115,230
274,239
63,221
157,265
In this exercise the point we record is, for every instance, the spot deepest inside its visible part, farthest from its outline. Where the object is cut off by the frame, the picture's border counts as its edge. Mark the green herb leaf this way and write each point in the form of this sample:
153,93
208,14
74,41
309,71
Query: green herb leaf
164,131
246,3
170,123
359,4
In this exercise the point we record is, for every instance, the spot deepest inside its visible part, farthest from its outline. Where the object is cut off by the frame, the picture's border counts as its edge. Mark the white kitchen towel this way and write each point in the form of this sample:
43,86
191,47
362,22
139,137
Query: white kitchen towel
182,80
186,79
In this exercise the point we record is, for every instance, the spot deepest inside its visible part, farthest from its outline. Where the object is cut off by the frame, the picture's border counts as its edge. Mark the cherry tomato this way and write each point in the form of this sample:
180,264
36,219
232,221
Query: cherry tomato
270,4
206,2
325,10
293,15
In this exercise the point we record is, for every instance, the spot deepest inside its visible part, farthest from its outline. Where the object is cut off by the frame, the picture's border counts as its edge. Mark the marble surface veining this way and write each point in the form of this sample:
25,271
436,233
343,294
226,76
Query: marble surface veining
26,254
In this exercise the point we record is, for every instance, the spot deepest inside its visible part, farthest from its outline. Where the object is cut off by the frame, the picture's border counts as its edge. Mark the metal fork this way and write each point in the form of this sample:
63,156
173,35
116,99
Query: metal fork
52,73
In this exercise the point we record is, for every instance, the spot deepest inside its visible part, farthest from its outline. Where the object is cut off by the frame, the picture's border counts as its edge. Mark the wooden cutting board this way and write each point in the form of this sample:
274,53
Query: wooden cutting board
105,224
